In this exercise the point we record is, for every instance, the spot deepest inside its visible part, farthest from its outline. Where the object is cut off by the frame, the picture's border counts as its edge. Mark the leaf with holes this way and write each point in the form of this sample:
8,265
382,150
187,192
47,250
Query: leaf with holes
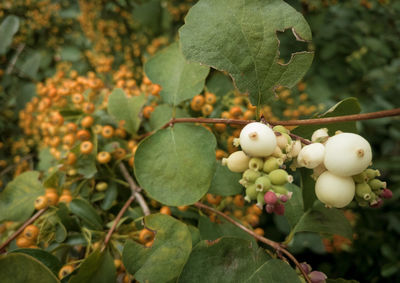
164,260
175,166
240,37
179,79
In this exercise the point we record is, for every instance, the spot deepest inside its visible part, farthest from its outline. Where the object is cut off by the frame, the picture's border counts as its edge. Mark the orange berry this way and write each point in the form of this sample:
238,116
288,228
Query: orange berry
119,153
207,109
107,131
301,86
72,127
65,198
65,270
147,110
88,107
226,115
87,121
213,199
70,159
197,102
31,232
238,200
210,98
146,235
259,231
83,135
103,157
235,111
52,198
238,100
77,98
149,244
183,207
248,115
165,210
219,154
23,242
86,147
41,202
69,140
220,127
155,89
120,133
253,219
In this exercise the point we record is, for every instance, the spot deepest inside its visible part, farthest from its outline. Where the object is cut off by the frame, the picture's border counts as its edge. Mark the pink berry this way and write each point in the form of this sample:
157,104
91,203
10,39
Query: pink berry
270,197
279,209
270,208
283,198
306,267
317,277
386,193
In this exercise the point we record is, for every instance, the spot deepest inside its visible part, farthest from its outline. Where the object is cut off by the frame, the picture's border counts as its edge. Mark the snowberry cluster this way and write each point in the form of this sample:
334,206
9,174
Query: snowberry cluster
339,166
261,162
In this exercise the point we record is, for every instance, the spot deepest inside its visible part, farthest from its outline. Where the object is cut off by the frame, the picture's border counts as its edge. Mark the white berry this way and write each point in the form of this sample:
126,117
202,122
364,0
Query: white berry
334,191
237,162
320,135
347,154
311,155
257,139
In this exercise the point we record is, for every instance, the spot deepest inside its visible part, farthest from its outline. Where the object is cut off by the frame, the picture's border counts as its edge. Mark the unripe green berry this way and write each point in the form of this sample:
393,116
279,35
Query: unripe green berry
251,193
279,177
271,164
260,200
360,178
251,175
372,173
281,129
256,163
102,186
363,191
263,183
376,184
280,190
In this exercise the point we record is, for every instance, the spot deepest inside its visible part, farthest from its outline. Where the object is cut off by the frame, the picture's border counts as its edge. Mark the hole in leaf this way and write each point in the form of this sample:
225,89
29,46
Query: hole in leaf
288,45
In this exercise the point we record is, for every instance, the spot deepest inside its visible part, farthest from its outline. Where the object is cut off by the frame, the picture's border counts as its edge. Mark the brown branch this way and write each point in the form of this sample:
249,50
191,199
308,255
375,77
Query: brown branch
13,61
275,245
135,189
116,221
20,229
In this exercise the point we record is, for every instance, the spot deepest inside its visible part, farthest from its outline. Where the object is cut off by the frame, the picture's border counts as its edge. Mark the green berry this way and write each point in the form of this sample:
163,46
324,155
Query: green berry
271,164
363,190
251,175
376,184
256,163
372,173
251,193
279,177
263,183
260,199
360,178
280,190
280,129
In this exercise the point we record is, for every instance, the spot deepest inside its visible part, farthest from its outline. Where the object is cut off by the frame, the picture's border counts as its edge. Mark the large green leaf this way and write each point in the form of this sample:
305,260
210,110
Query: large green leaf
97,268
163,113
124,108
164,260
22,268
307,187
219,84
274,271
226,260
347,106
86,212
294,207
18,198
44,257
180,80
242,40
175,166
9,26
225,182
30,66
324,220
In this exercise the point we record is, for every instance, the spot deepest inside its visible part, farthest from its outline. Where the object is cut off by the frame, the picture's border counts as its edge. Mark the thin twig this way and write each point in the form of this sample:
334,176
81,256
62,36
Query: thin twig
116,221
13,61
20,229
275,245
135,189
10,167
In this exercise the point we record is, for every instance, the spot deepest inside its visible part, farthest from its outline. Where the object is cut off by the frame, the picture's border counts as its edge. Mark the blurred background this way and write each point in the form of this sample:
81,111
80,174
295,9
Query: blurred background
357,54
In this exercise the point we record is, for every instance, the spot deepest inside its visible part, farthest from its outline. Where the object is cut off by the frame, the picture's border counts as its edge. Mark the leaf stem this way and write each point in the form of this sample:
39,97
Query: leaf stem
275,245
20,229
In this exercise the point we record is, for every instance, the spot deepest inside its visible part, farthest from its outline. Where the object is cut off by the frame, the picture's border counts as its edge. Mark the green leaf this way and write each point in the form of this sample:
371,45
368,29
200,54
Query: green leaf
22,268
307,187
242,40
148,14
164,260
70,53
86,163
347,106
212,231
195,234
163,113
340,280
122,107
294,207
225,182
97,268
46,159
175,166
110,196
86,212
25,94
219,84
18,198
44,257
274,270
30,67
60,233
226,260
324,220
8,28
180,80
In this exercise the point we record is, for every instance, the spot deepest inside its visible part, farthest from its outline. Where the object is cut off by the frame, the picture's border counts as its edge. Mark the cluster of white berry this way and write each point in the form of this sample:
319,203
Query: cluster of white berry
339,163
